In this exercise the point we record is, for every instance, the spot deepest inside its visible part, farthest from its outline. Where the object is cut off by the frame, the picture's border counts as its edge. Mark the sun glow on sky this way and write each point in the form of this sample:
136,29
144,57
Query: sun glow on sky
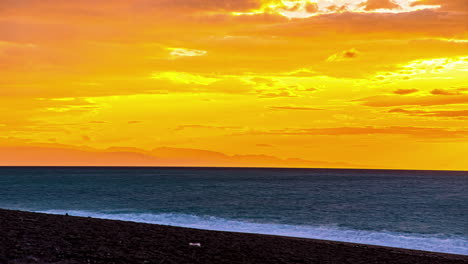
288,83
308,8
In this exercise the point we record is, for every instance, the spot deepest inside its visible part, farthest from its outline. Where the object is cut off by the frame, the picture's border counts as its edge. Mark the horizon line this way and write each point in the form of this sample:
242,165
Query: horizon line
216,167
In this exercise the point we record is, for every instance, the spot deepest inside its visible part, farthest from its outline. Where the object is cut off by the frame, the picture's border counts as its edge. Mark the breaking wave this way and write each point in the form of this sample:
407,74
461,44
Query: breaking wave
436,243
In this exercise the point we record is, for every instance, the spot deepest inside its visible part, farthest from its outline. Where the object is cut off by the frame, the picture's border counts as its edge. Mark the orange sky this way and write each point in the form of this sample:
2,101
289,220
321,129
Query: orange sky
290,83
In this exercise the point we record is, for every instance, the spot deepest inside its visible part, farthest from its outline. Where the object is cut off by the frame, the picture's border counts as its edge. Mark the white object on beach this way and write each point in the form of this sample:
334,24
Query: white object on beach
195,244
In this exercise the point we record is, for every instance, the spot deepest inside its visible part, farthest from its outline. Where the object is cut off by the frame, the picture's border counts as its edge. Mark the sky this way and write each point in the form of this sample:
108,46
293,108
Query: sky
262,83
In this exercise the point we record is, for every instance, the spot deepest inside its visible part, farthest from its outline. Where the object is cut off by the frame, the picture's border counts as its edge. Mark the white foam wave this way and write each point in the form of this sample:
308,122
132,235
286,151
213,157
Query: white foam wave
436,243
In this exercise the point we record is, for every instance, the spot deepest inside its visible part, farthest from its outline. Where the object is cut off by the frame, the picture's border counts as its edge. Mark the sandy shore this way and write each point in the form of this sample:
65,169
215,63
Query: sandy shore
42,238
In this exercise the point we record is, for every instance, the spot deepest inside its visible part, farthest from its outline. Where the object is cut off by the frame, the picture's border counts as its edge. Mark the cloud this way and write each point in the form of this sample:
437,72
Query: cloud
131,122
344,55
436,68
182,52
462,114
405,91
388,101
15,47
91,9
272,87
264,145
27,110
209,5
458,91
380,4
353,25
445,5
309,8
294,108
189,82
400,110
183,127
184,78
276,94
420,132
312,8
307,73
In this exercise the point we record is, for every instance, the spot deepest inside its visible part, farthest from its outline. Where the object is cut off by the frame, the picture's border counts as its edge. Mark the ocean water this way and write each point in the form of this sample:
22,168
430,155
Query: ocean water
426,210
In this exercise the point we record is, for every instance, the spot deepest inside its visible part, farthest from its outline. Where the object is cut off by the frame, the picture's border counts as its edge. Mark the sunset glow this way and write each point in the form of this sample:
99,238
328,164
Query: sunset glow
308,8
277,83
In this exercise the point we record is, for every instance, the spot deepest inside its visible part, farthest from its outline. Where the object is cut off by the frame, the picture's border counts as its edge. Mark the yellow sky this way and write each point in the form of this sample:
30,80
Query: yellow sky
295,83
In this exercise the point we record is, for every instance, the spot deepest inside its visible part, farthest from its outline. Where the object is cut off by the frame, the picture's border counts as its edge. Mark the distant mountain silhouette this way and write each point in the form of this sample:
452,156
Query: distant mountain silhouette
62,155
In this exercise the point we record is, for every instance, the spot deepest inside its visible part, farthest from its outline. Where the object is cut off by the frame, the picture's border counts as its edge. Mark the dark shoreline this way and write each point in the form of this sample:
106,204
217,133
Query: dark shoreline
27,237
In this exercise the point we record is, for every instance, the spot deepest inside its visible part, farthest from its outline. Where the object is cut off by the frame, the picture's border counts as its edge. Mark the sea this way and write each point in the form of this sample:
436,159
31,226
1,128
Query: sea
424,210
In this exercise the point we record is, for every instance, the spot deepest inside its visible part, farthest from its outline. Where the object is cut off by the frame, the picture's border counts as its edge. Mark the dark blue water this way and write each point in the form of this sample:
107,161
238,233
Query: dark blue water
413,209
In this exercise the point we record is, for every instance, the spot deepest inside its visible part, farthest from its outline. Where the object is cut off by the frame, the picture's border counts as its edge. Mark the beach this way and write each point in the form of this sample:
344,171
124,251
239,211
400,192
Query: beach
44,238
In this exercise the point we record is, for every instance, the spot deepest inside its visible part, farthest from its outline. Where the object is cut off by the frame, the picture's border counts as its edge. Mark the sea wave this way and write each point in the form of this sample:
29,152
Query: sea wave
436,243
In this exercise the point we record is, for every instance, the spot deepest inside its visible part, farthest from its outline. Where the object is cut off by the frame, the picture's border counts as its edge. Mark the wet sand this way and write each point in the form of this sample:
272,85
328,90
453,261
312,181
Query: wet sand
42,238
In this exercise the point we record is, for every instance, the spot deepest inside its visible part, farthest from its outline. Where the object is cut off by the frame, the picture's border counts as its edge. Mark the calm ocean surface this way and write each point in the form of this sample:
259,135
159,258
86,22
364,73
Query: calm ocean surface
425,210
